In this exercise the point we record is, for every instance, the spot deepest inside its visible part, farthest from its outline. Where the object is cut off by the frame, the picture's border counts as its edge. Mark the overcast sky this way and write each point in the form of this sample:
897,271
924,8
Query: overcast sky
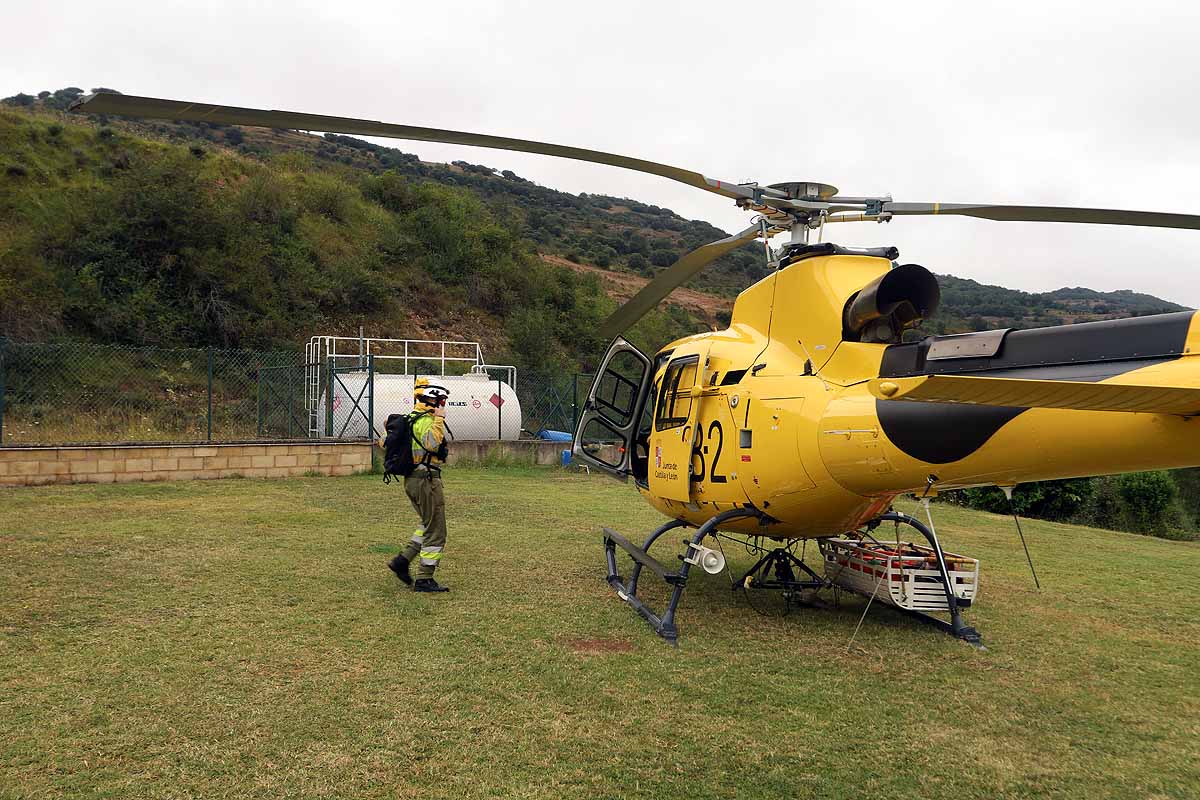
1051,103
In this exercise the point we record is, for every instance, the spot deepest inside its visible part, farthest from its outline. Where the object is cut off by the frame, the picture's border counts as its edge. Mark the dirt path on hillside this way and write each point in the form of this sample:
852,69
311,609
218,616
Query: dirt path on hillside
622,285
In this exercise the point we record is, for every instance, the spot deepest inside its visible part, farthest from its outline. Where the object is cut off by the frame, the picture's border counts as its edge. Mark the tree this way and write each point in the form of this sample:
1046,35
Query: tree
1149,497
662,258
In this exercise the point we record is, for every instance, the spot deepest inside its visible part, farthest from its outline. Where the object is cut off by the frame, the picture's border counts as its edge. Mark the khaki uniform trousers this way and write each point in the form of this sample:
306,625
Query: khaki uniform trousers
424,489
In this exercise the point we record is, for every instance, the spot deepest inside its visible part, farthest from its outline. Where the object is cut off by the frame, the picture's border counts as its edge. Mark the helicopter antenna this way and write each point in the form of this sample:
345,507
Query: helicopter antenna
1008,492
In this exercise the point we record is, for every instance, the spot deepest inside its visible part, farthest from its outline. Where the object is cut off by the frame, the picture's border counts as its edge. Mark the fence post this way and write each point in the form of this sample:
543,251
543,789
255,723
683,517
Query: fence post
329,401
258,389
291,397
370,396
210,392
574,402
499,413
3,354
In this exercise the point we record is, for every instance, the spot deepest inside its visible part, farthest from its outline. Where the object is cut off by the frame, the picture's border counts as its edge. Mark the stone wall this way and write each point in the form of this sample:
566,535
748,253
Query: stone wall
523,451
36,466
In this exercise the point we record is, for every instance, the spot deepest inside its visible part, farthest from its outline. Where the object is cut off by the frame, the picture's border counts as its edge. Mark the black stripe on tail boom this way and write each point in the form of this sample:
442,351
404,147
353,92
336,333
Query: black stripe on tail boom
939,433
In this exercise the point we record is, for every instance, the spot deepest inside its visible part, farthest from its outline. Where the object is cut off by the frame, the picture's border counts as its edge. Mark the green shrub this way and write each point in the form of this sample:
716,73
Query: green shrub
1149,499
1054,500
329,196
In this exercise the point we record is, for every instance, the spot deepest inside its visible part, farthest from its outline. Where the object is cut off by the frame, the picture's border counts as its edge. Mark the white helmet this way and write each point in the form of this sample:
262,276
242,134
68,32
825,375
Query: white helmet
431,395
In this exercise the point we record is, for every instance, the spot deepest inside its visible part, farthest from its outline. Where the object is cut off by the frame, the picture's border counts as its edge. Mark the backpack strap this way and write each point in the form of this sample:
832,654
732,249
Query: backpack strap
428,454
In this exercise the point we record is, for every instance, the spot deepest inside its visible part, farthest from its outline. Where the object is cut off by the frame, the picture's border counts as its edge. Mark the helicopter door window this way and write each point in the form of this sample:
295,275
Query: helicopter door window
674,404
603,443
617,392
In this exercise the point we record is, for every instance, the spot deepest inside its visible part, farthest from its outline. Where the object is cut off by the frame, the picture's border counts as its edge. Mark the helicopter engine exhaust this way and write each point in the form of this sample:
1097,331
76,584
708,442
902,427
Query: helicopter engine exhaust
898,299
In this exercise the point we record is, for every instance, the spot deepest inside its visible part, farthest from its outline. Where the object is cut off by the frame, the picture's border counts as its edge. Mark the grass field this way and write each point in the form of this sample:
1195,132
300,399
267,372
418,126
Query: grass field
244,639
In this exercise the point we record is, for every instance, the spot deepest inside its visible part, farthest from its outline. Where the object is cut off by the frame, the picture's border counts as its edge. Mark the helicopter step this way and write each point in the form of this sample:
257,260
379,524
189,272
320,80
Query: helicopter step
664,624
913,579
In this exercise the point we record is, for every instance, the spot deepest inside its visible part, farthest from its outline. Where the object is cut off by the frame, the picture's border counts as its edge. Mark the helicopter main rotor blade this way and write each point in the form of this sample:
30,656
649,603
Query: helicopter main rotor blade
154,108
1096,216
675,275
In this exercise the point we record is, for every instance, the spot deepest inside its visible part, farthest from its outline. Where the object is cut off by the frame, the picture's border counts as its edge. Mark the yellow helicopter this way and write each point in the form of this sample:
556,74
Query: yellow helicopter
809,415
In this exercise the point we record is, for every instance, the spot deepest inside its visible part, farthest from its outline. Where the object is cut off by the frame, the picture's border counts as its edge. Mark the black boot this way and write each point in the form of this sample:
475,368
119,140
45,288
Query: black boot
428,585
399,565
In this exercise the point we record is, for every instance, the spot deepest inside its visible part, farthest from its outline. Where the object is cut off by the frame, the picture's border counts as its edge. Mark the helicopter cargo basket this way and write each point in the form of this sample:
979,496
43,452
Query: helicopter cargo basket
907,576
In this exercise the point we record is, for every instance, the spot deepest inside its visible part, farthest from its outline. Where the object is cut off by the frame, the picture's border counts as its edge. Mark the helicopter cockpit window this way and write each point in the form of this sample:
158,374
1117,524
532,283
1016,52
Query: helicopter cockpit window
674,404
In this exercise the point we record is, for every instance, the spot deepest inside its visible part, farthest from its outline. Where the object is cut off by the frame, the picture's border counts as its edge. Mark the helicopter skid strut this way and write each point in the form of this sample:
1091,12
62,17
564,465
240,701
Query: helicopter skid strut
956,627
776,571
663,625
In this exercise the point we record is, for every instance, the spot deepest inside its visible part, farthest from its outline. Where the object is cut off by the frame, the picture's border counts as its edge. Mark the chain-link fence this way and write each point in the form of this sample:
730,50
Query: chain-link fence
552,403
72,393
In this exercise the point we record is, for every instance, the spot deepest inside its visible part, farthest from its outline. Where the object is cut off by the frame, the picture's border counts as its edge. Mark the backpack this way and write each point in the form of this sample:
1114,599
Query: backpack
397,447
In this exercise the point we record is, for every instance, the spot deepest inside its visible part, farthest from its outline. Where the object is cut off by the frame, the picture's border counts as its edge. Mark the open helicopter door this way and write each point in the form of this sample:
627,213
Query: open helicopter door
606,435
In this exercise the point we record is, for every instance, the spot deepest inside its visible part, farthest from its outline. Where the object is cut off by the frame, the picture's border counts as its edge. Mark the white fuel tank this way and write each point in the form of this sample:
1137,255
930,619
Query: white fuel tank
478,409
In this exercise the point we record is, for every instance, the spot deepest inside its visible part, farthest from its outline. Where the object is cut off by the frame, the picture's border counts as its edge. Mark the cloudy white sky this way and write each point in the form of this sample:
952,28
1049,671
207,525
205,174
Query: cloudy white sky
1055,103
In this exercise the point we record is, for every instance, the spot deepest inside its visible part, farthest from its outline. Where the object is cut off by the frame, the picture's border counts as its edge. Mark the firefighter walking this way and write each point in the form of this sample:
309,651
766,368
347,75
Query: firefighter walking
424,488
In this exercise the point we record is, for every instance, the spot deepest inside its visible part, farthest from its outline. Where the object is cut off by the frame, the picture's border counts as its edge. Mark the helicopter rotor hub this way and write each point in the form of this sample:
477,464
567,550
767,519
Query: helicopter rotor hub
805,190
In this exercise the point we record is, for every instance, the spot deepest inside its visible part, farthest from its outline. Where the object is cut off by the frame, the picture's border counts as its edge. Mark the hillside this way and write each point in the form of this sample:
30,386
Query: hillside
113,237
968,305
597,230
357,233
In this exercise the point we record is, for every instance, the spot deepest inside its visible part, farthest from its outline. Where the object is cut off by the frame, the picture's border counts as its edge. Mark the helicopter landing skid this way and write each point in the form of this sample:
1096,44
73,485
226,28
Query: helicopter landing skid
776,571
663,625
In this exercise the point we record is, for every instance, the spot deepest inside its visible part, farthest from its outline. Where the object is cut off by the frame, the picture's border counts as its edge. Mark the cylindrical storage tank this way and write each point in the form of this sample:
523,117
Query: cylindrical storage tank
479,408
